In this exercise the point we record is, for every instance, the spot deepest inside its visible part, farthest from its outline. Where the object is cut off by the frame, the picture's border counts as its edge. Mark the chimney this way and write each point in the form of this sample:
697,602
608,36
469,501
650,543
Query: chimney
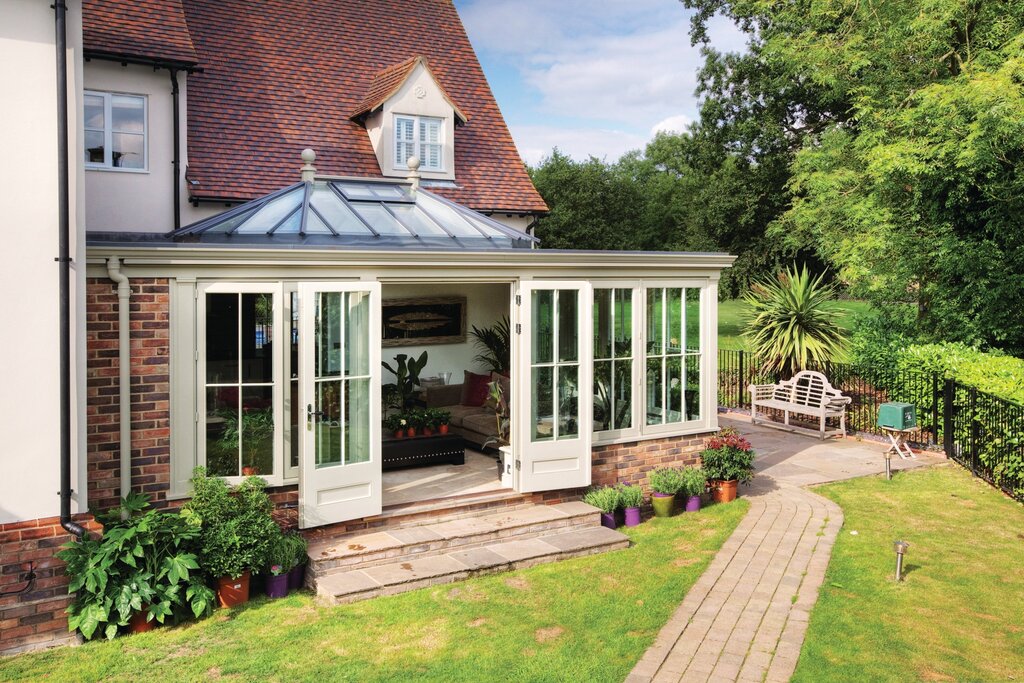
414,173
308,169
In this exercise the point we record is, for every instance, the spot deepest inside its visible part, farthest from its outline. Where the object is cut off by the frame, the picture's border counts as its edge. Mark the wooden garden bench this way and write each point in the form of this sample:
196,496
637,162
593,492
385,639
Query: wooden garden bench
808,393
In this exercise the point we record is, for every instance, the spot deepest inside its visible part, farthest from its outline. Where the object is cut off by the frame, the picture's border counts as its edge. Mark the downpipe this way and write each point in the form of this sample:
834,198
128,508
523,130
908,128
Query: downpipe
64,269
124,367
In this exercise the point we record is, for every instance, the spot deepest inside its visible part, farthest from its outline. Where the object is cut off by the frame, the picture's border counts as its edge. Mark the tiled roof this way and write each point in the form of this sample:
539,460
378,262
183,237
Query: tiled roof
144,29
385,83
289,74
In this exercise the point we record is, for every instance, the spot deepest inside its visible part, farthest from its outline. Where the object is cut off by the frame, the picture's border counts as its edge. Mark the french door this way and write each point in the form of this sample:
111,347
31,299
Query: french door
556,385
339,358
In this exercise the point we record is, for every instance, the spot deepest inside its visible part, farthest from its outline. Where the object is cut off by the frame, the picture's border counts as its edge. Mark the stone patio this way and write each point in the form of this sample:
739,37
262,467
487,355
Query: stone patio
745,618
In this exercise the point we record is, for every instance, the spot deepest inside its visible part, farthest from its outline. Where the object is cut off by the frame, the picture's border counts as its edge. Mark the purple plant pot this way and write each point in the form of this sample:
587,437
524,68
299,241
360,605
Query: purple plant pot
632,516
297,576
608,519
693,504
277,586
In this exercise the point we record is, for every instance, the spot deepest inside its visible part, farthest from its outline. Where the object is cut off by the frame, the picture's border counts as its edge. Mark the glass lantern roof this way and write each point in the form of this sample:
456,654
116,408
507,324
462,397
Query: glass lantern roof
355,214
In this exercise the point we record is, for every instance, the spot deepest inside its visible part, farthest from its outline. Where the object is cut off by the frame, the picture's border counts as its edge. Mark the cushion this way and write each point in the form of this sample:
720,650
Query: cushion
474,389
459,413
481,423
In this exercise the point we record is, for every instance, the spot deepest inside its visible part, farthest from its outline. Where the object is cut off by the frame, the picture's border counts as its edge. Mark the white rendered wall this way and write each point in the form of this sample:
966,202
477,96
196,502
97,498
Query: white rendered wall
29,390
485,305
130,200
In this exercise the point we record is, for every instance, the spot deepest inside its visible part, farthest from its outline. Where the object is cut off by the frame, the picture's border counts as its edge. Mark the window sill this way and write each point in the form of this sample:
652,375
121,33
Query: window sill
110,169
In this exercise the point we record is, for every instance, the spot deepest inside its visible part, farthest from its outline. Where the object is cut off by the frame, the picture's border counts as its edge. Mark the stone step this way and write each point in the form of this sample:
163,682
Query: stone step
422,571
332,555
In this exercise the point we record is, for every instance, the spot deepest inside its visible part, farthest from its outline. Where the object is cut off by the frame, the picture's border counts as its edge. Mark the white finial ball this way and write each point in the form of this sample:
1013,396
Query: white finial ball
308,156
413,162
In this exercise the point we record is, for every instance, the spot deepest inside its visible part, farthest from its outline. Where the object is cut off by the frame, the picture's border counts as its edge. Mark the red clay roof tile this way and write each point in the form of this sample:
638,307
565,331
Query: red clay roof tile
288,76
146,29
385,83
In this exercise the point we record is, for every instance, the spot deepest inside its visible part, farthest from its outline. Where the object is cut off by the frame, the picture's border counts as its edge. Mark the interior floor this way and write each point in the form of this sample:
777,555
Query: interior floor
478,475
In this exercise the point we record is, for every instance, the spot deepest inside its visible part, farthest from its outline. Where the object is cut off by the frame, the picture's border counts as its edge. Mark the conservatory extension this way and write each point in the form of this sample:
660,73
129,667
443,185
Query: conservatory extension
279,313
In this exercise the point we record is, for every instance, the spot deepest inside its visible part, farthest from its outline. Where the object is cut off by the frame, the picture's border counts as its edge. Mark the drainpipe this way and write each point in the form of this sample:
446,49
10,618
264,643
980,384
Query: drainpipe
64,268
124,366
176,156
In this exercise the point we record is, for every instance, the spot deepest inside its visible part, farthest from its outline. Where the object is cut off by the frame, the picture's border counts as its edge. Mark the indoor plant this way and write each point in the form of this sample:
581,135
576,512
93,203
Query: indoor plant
495,344
605,499
235,531
631,497
402,392
665,483
396,425
443,418
142,569
299,558
727,459
692,485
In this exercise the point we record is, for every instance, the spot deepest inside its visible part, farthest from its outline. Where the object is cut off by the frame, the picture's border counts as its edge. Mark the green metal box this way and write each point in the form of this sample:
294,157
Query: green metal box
897,416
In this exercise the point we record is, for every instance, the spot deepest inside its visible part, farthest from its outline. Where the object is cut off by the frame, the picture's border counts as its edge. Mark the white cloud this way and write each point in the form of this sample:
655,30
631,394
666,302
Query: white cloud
536,142
672,124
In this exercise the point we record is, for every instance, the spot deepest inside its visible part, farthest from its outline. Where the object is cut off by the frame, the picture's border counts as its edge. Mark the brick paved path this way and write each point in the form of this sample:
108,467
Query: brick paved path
746,616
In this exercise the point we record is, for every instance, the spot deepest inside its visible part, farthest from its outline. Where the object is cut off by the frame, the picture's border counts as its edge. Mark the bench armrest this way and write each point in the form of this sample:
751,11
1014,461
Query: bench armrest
762,391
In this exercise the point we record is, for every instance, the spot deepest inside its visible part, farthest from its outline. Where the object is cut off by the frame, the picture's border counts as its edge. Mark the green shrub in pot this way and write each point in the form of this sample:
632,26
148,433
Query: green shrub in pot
665,484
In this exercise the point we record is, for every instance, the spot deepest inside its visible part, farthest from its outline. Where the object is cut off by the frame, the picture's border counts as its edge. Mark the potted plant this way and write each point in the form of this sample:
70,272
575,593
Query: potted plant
406,370
443,418
495,345
140,572
415,421
693,482
396,425
665,483
235,531
727,459
429,421
605,499
631,498
279,559
299,558
257,425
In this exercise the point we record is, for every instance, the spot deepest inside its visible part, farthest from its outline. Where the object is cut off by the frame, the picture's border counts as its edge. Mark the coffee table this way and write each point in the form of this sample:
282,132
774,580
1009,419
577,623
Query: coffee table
439,449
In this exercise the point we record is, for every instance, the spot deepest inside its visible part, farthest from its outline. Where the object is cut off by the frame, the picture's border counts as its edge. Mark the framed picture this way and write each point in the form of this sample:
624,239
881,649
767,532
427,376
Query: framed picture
424,321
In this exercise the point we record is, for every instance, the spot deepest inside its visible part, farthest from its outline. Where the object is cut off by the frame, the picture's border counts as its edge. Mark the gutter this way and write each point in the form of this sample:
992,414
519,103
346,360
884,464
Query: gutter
124,367
64,269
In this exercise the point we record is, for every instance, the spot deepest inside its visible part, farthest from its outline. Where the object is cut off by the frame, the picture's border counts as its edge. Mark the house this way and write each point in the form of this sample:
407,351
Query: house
261,206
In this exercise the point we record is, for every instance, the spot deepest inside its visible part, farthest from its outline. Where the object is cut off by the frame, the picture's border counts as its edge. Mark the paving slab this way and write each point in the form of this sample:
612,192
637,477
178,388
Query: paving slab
746,617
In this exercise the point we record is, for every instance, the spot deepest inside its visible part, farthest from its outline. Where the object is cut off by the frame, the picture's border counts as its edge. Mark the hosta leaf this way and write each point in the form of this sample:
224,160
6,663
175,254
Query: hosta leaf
111,631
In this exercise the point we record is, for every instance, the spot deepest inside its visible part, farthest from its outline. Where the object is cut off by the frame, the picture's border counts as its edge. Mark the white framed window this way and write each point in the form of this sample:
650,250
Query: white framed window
421,136
649,359
115,131
240,416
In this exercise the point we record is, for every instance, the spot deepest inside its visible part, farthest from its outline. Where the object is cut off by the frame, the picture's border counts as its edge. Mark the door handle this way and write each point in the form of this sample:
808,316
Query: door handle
310,414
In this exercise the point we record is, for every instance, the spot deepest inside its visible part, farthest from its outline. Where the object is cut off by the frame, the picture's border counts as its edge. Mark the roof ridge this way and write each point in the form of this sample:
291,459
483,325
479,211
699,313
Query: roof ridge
388,80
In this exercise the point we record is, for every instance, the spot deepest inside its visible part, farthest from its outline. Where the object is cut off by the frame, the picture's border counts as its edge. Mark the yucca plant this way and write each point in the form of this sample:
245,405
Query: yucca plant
793,321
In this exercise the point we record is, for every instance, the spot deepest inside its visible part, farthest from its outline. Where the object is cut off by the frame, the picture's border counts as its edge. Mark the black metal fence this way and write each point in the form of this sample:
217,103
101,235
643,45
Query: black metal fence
983,432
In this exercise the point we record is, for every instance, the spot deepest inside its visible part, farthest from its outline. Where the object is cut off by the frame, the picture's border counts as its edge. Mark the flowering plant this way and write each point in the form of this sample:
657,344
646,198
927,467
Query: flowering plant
728,456
277,569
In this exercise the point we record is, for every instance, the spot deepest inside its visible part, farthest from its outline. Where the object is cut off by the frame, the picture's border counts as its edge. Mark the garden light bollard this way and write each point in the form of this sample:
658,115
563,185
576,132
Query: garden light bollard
888,465
901,548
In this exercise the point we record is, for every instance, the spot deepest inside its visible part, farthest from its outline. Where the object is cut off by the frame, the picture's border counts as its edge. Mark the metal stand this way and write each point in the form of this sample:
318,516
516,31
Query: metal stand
898,438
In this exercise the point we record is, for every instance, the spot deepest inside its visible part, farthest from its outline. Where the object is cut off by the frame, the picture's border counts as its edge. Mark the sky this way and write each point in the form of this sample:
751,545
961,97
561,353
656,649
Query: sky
590,77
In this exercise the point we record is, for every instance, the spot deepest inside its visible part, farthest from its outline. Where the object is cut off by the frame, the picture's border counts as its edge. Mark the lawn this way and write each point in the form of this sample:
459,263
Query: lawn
731,320
588,619
958,615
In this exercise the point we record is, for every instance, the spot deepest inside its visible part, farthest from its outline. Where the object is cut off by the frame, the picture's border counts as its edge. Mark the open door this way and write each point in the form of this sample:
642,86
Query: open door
339,361
555,389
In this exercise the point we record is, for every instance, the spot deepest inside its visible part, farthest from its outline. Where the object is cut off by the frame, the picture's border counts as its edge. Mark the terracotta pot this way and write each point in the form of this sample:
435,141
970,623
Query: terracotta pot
443,429
724,491
231,592
250,471
428,431
410,432
400,434
138,624
663,504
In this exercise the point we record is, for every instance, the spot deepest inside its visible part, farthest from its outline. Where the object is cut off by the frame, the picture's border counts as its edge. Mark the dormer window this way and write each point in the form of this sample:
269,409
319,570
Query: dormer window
421,136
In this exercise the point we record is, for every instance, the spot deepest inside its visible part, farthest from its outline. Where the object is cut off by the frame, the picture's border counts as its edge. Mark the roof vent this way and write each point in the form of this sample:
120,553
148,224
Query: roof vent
308,169
414,172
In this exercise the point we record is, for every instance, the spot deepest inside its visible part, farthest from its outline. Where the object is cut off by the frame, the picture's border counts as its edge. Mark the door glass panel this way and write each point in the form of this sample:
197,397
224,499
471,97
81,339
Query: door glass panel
222,436
543,418
568,325
357,421
257,429
693,320
328,334
654,320
623,323
543,305
328,422
258,327
568,402
655,392
293,381
221,338
357,334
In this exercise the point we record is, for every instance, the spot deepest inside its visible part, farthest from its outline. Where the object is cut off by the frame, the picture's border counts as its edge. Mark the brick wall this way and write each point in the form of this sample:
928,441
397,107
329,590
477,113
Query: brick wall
630,463
150,380
35,617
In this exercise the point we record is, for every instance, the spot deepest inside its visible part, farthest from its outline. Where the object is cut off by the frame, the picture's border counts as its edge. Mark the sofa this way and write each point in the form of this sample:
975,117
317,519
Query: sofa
475,423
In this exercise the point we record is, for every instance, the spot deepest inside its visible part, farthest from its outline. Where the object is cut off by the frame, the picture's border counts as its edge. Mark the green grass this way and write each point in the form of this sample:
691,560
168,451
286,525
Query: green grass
731,320
588,619
959,613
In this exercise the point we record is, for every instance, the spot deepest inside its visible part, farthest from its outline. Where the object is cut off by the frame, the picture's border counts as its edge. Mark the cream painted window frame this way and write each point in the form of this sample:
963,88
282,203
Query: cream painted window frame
417,121
199,376
632,433
108,133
